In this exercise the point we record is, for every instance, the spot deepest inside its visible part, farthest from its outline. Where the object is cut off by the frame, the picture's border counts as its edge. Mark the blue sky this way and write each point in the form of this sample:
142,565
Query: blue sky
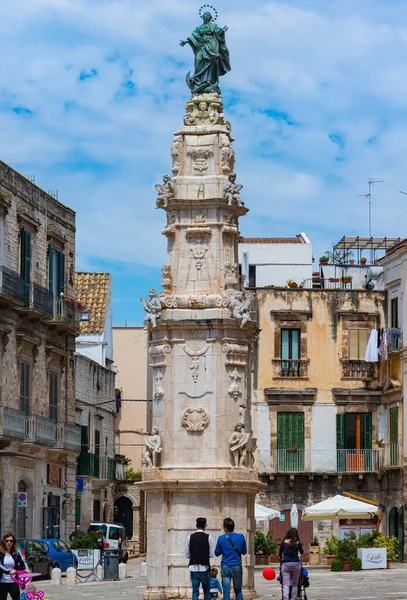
91,92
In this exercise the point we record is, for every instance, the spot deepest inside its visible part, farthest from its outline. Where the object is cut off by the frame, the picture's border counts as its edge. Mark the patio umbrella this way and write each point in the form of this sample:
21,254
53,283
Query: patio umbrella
339,507
264,514
294,516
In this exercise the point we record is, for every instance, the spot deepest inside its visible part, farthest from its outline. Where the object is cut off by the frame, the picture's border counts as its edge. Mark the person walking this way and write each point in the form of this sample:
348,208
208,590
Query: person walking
231,546
290,549
77,532
199,550
10,562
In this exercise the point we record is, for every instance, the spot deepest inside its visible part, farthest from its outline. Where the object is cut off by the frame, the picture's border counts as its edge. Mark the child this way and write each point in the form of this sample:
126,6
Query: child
215,583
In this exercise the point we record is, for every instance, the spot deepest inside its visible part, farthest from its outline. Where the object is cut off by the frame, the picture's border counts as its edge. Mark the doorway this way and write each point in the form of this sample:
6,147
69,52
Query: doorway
123,513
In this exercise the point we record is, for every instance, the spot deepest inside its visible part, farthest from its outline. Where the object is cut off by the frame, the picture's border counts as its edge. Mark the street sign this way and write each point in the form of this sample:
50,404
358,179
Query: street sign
80,484
22,500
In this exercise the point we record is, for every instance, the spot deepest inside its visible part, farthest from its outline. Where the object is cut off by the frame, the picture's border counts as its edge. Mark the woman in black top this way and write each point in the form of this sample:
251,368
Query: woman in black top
290,549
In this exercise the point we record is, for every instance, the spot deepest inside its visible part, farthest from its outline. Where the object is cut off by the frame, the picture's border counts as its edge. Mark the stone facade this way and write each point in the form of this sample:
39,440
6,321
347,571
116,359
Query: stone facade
302,400
196,349
38,324
95,414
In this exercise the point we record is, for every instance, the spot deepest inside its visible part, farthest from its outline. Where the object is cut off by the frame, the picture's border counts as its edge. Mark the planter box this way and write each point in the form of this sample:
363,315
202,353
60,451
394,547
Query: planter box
261,559
373,558
87,559
330,558
314,555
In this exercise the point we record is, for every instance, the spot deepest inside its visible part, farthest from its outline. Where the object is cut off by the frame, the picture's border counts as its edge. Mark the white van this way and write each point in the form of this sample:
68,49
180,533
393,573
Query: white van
114,535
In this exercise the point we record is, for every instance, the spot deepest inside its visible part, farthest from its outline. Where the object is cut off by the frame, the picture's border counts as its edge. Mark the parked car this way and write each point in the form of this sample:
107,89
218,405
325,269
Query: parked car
37,559
59,552
114,535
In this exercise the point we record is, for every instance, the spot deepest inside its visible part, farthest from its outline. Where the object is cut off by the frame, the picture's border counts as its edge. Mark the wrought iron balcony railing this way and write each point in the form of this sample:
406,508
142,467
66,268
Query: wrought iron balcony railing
290,368
69,437
66,312
395,339
11,284
294,460
13,423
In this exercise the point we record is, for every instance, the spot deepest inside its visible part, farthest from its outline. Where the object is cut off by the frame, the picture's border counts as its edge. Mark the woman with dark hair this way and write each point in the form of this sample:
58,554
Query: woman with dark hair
10,562
290,549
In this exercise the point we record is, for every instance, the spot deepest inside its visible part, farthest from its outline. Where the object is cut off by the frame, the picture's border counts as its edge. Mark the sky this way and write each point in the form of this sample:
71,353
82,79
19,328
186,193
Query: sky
91,92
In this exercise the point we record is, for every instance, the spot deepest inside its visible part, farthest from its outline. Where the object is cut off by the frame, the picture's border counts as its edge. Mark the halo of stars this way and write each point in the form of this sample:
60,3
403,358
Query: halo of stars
204,6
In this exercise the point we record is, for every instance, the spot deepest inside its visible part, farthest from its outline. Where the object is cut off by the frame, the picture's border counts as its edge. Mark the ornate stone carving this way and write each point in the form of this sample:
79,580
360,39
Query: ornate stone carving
152,308
199,217
158,392
153,448
238,444
198,253
234,391
167,278
166,191
205,108
240,307
227,155
232,190
195,418
176,154
236,354
200,159
198,235
231,274
195,355
157,354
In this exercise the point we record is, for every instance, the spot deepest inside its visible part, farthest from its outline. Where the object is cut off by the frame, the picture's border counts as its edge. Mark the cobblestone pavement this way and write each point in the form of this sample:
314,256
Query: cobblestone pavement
324,585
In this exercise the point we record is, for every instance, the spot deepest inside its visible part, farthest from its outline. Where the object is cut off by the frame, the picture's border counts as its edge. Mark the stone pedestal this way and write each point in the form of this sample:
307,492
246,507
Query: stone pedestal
200,358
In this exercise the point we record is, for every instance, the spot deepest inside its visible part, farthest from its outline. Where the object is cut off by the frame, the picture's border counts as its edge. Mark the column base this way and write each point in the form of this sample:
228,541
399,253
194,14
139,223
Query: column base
174,593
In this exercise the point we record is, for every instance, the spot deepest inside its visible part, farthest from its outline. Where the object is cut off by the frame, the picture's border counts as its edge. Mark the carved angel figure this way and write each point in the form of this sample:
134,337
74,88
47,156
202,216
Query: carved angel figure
232,190
166,190
227,156
238,443
152,308
240,307
153,448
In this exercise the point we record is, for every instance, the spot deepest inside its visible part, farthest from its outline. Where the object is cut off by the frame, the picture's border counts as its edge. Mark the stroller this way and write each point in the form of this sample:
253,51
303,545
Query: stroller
303,583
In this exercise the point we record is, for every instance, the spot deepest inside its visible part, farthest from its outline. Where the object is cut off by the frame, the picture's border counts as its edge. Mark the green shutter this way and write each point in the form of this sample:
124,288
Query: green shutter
61,273
295,344
50,268
25,262
394,436
340,442
367,431
77,511
290,435
285,344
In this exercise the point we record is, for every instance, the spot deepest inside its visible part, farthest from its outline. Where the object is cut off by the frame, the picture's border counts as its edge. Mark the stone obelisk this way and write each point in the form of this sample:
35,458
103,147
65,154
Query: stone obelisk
199,454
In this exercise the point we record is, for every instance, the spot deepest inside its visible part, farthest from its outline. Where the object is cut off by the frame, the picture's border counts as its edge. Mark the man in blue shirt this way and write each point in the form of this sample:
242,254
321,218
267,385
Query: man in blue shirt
231,546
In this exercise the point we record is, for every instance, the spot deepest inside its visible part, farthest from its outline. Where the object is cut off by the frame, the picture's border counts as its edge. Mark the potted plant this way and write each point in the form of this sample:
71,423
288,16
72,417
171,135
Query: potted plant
346,278
390,543
347,550
260,549
87,550
323,260
379,443
356,564
291,283
314,551
334,279
330,549
336,565
363,260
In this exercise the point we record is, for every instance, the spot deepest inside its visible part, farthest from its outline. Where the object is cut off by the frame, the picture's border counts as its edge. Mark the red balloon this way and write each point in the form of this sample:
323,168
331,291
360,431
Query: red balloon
269,574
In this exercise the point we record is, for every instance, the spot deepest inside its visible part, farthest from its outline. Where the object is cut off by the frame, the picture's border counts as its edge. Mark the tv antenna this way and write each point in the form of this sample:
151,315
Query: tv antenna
369,196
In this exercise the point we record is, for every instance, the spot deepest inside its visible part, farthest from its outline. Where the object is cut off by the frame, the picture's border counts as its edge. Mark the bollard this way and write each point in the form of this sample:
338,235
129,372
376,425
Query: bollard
56,576
122,571
143,569
71,576
99,572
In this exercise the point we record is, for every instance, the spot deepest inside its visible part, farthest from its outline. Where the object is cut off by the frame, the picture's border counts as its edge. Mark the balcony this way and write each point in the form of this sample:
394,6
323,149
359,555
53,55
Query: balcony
37,301
391,455
13,423
107,468
92,465
358,369
11,287
395,339
43,431
290,368
69,437
65,314
293,460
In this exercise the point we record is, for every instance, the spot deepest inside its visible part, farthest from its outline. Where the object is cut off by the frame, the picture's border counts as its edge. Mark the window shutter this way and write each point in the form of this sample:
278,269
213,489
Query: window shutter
50,267
281,431
367,431
298,430
353,344
340,432
363,340
295,344
285,344
61,273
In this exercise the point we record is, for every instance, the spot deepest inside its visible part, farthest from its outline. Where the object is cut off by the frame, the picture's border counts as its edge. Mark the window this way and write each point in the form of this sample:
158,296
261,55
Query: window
84,316
354,441
394,313
96,512
290,344
252,275
358,339
56,271
290,441
115,533
53,396
394,436
25,262
24,387
84,439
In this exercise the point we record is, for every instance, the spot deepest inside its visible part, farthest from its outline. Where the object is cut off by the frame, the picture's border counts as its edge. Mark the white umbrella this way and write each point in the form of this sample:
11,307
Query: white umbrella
294,516
339,507
264,514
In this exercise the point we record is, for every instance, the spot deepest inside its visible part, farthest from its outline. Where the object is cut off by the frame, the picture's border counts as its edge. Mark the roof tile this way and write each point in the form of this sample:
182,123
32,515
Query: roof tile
92,291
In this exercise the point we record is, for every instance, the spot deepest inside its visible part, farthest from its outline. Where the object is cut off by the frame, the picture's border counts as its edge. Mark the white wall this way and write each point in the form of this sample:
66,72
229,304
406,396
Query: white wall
361,274
323,437
262,417
91,345
276,263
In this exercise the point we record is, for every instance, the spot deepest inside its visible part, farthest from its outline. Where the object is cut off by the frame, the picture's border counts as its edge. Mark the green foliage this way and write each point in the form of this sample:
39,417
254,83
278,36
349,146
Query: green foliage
123,459
315,541
264,544
87,541
356,564
339,257
131,474
324,258
367,540
390,543
347,548
331,546
336,565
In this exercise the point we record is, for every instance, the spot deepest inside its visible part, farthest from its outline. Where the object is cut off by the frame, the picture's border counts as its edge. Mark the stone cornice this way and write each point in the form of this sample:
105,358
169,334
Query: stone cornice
356,396
285,396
